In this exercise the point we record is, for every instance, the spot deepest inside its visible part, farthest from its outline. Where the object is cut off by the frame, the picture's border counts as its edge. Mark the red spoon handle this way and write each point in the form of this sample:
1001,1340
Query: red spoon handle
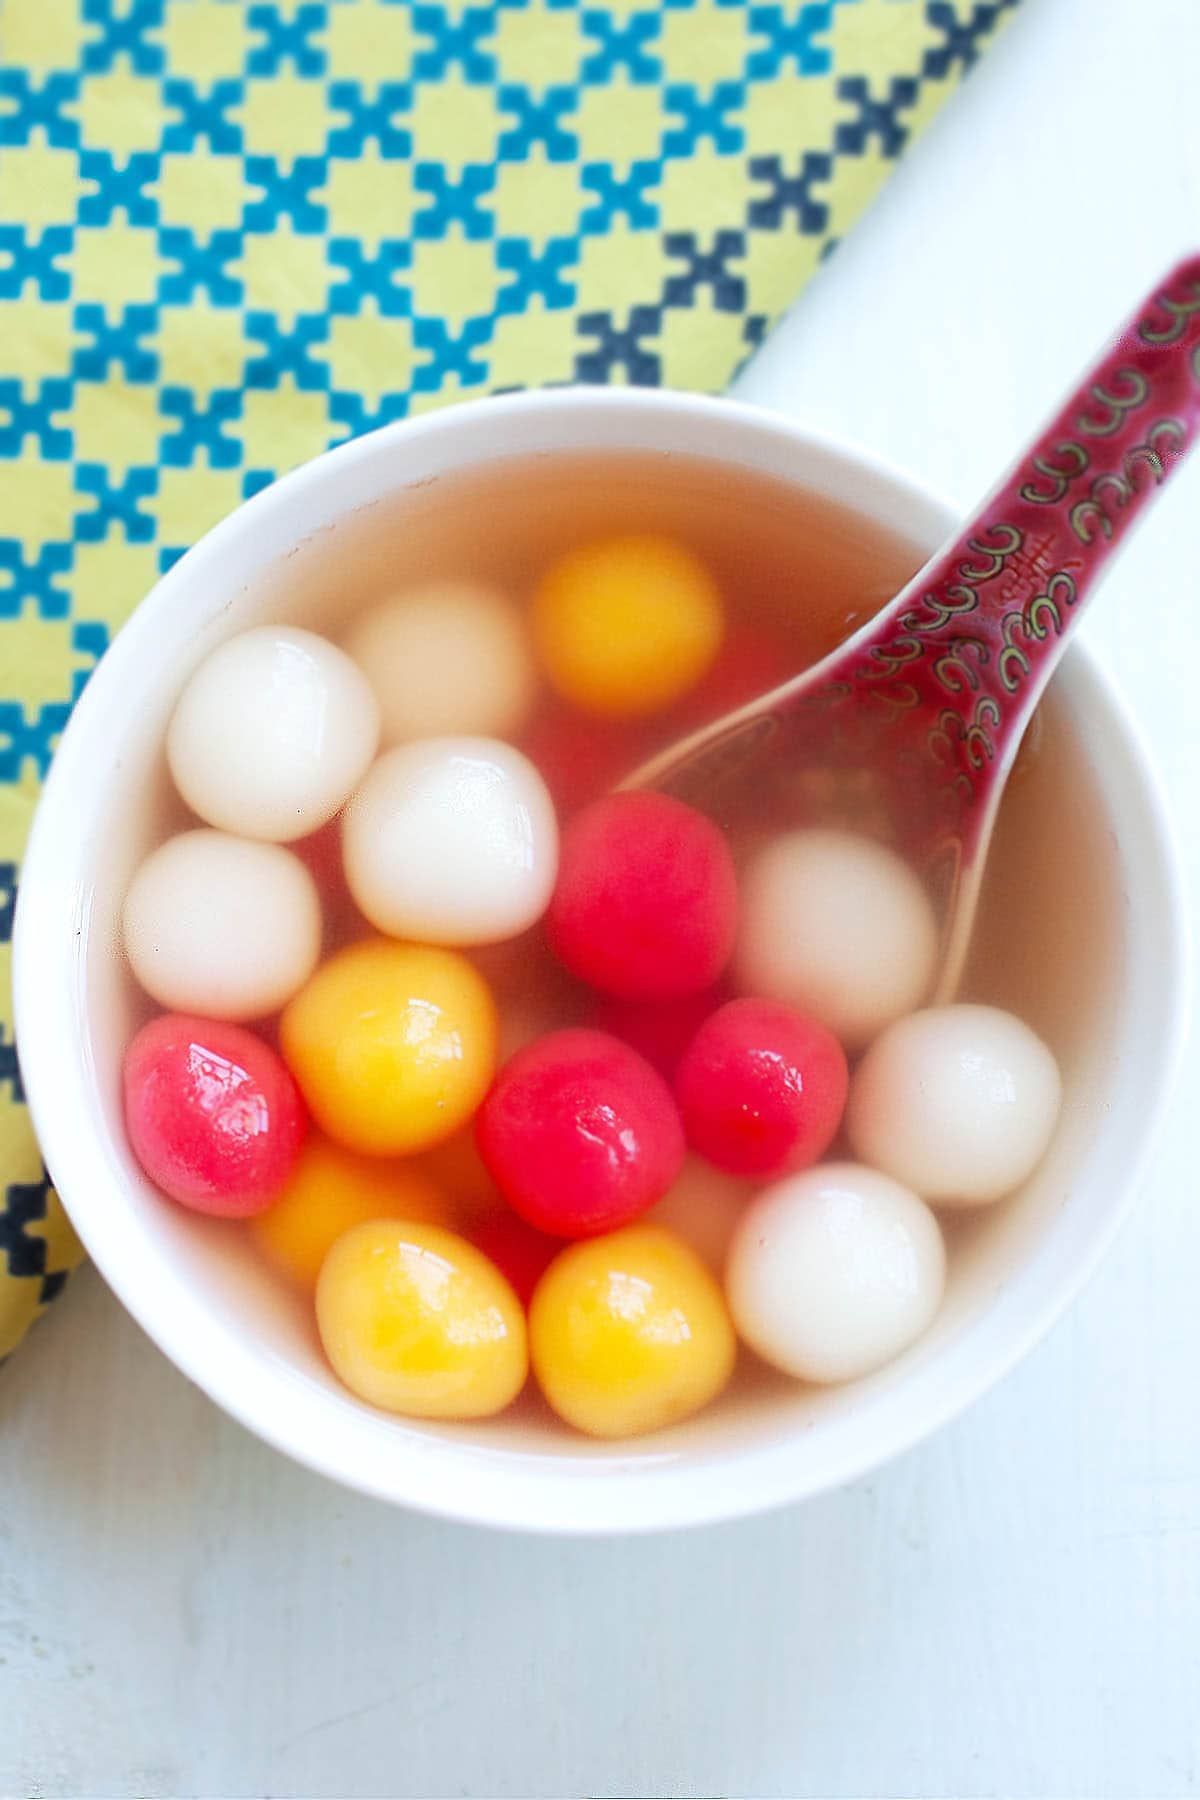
908,730
969,646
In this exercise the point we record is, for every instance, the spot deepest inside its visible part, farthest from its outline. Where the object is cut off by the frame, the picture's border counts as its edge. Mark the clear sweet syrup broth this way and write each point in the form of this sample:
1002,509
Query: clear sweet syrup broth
795,568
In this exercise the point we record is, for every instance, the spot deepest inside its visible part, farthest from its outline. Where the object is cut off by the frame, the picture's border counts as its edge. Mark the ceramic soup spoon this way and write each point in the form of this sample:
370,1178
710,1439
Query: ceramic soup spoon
911,727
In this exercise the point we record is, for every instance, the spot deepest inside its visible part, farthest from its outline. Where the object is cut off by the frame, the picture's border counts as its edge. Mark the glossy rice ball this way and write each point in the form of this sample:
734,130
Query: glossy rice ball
629,1333
452,841
833,1272
957,1102
761,1089
627,625
213,1116
272,734
222,926
448,658
393,1045
416,1320
646,902
580,1134
837,926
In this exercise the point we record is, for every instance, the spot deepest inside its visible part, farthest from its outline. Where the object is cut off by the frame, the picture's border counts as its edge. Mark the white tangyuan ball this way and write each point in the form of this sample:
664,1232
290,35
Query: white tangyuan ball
452,841
958,1102
838,927
222,926
834,1272
447,658
272,733
704,1208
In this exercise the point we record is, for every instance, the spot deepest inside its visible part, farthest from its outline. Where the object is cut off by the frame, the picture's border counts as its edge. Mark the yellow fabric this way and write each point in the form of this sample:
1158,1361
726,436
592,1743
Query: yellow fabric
233,233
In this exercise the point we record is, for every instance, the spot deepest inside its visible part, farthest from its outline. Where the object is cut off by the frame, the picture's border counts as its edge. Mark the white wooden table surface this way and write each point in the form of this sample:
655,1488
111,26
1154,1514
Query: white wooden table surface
1013,1609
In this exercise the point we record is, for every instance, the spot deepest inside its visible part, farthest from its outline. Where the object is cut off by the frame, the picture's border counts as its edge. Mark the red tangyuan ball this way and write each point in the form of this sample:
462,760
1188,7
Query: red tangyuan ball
580,1134
213,1116
761,1088
646,902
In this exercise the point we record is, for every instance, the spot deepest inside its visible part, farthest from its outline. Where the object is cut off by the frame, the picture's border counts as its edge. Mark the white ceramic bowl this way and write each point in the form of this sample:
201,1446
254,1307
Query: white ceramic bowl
1104,926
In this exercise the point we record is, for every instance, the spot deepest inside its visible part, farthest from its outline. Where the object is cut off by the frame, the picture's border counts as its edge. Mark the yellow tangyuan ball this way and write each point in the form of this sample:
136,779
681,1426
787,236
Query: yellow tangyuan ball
329,1190
416,1320
624,627
392,1045
630,1332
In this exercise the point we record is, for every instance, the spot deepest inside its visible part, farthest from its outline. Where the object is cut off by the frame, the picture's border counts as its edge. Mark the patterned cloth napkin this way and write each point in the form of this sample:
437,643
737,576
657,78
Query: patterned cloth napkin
233,233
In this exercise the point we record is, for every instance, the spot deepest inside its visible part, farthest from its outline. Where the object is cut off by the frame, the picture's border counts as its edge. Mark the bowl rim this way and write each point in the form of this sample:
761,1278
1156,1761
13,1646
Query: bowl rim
522,1491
